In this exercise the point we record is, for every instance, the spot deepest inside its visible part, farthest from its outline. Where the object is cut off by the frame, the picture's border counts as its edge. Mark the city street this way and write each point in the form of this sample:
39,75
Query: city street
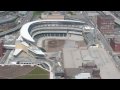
24,20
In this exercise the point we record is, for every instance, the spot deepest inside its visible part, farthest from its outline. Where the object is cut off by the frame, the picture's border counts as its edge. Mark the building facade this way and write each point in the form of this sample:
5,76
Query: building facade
105,24
115,44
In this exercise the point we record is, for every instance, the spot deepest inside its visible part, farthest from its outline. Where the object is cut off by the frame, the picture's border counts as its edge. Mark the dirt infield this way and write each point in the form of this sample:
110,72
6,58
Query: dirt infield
52,45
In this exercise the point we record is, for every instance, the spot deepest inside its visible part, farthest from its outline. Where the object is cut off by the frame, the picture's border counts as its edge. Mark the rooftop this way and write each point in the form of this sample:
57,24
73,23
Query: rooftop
106,17
83,76
36,50
86,55
104,61
72,58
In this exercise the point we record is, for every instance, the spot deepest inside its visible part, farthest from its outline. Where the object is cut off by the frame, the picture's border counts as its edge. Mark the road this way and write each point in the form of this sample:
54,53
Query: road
112,64
25,20
104,41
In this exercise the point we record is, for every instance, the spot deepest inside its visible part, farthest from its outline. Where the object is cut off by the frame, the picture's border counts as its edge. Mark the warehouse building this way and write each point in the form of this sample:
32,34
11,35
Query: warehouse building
77,61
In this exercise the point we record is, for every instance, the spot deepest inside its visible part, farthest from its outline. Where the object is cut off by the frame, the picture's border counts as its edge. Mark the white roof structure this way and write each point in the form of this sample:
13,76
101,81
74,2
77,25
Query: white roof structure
83,76
13,63
24,31
88,27
36,50
17,51
20,38
24,43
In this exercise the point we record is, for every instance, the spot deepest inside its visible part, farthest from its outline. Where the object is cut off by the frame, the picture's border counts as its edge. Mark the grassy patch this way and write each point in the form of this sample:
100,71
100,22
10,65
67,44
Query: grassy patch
36,73
71,13
37,13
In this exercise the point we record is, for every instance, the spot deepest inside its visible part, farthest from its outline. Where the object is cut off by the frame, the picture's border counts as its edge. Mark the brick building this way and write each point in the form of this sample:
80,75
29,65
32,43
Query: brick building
115,44
105,24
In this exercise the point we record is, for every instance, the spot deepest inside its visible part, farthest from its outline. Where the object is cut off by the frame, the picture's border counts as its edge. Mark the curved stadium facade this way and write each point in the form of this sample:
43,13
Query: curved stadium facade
50,28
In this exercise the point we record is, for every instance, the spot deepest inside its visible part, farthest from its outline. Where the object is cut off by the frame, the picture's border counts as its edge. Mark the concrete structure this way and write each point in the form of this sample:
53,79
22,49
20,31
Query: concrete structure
75,59
7,22
53,15
22,12
83,76
72,58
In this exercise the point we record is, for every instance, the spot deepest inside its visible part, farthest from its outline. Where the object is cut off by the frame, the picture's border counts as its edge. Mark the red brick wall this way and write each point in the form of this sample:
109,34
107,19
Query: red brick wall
106,26
115,46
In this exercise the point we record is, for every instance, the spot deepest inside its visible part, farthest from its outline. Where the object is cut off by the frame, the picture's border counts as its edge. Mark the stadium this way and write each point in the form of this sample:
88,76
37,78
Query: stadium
42,30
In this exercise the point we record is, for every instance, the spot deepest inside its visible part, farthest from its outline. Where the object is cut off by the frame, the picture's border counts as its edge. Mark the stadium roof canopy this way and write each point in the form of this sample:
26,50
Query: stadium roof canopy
24,32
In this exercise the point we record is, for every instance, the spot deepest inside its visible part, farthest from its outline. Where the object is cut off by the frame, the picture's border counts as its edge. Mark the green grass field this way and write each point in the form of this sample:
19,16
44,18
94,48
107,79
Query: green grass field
37,73
38,70
37,13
